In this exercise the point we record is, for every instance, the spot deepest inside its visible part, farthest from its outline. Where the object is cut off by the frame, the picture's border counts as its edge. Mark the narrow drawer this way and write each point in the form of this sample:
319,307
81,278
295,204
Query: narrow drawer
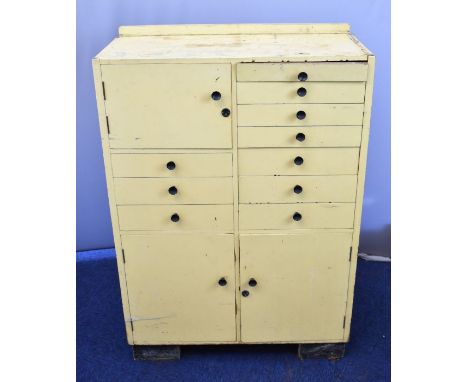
315,71
290,136
173,191
216,218
297,189
296,216
169,165
291,92
300,114
314,161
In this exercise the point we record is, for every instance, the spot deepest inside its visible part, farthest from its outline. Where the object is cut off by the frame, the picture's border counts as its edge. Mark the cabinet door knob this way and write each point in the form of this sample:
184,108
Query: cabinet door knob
175,218
222,281
300,137
298,161
252,282
245,293
297,189
216,96
172,190
297,216
302,76
225,112
170,165
301,92
300,114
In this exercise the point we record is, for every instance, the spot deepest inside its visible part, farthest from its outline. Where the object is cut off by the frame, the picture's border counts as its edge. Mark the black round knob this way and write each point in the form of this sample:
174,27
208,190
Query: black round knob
172,190
301,92
170,165
175,218
297,216
300,114
300,137
222,281
216,96
252,282
245,293
297,189
298,161
302,76
225,112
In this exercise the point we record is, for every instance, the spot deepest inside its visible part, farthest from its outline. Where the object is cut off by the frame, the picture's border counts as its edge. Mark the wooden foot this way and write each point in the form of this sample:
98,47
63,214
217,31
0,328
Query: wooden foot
330,351
156,353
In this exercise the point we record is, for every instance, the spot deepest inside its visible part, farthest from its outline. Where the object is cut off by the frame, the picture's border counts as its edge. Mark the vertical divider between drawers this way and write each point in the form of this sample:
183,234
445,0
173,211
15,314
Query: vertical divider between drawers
235,183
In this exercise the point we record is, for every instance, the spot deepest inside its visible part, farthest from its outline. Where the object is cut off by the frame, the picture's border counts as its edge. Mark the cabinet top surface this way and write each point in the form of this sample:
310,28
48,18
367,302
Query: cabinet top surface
236,42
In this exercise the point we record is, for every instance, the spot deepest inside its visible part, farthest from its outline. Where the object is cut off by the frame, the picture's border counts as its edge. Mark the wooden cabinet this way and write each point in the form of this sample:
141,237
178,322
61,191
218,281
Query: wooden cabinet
235,160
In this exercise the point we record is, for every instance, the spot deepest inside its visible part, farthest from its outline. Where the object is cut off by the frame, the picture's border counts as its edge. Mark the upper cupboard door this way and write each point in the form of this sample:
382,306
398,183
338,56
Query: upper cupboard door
168,105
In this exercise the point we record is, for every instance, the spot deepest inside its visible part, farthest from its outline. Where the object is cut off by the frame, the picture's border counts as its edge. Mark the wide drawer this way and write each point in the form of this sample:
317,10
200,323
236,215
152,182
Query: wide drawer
309,136
290,92
315,161
287,114
167,105
173,191
297,189
316,71
216,218
169,165
296,216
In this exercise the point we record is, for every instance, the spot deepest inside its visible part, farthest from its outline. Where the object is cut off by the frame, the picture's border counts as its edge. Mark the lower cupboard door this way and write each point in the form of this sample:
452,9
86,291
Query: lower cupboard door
294,286
174,288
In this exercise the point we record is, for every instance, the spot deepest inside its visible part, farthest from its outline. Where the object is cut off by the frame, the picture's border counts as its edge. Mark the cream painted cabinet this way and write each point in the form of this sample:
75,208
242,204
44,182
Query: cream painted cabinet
235,160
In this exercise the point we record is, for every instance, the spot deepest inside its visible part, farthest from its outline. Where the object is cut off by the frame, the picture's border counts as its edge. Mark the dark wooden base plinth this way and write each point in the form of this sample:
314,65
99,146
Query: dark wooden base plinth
156,353
329,351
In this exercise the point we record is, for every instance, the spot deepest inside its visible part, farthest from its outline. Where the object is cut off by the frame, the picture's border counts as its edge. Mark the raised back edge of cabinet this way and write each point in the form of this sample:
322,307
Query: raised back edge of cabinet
224,29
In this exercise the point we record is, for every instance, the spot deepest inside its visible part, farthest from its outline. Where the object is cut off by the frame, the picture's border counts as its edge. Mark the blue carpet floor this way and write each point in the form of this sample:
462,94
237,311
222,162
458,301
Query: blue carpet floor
103,354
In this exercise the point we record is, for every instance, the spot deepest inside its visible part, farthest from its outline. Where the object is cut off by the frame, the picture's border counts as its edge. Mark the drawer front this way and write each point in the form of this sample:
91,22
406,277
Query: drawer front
295,216
290,92
173,191
160,165
289,72
297,189
287,114
289,136
319,161
173,288
302,286
215,218
167,105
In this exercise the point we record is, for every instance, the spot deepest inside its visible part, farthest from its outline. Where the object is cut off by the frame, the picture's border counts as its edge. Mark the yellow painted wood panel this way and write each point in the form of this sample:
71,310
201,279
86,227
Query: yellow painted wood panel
186,165
287,136
316,161
223,29
159,105
214,218
173,191
301,289
233,48
316,71
297,189
286,114
173,287
287,92
280,216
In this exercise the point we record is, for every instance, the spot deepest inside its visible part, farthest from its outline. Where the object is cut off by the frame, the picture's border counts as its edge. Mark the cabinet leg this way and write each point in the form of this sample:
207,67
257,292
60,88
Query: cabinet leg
156,353
330,351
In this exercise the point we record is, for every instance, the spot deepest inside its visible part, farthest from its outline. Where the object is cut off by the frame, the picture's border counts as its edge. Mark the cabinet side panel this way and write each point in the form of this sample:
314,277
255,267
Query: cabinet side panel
360,193
110,191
